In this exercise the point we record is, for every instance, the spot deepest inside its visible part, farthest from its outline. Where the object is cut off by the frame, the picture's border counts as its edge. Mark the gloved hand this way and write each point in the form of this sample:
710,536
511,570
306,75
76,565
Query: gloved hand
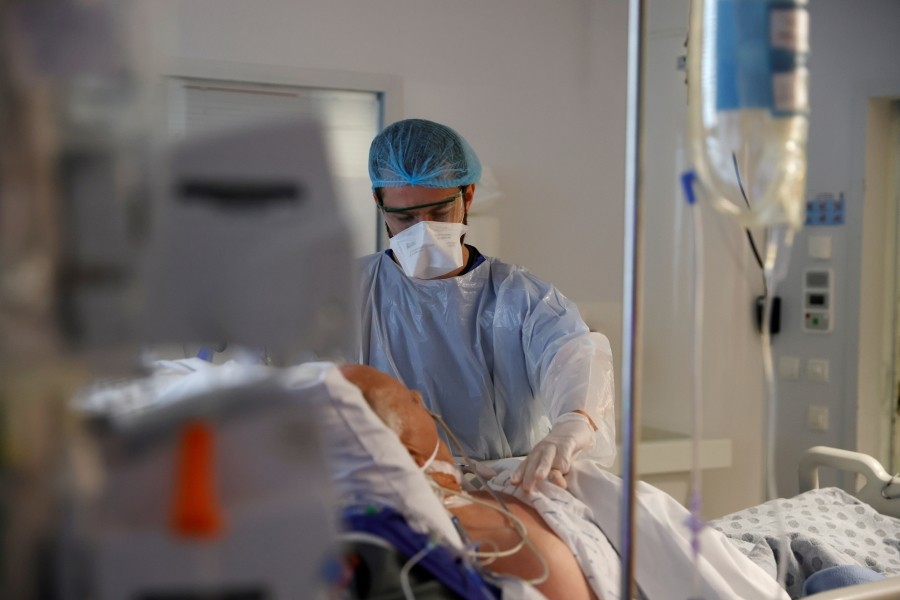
552,456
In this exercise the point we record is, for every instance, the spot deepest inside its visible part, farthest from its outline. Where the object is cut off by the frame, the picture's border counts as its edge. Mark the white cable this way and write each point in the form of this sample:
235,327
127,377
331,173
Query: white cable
486,560
777,254
545,568
407,567
518,525
468,461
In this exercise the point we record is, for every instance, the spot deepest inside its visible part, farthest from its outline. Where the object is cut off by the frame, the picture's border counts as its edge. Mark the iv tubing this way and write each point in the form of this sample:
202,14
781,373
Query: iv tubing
407,567
778,249
697,372
631,293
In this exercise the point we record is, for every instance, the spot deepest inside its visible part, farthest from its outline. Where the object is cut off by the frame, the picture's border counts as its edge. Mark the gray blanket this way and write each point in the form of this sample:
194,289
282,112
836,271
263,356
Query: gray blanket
826,527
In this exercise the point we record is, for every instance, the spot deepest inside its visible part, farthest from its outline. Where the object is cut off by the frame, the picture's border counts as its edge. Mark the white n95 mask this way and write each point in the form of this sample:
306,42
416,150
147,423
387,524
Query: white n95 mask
429,249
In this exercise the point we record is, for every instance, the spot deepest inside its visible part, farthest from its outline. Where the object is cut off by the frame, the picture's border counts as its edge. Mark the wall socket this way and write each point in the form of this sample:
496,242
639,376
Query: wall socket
789,367
817,417
817,370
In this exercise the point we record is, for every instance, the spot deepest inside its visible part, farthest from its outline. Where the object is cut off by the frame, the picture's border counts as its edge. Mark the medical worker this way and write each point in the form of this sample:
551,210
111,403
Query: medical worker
501,355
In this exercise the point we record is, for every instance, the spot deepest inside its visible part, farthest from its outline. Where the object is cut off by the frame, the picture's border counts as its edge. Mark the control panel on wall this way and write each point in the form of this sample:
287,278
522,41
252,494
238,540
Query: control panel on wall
818,308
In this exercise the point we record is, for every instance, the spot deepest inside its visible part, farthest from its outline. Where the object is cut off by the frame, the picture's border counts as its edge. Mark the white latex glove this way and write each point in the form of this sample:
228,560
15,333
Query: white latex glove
552,457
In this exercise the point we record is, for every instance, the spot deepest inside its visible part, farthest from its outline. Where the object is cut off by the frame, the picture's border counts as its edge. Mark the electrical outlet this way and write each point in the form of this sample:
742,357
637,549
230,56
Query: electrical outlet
817,369
789,367
817,417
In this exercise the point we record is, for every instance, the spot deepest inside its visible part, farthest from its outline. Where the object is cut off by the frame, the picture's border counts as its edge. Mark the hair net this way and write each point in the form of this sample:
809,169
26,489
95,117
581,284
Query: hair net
422,153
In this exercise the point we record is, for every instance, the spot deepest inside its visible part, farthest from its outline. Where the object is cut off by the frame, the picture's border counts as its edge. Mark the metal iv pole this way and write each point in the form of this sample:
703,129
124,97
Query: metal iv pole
631,299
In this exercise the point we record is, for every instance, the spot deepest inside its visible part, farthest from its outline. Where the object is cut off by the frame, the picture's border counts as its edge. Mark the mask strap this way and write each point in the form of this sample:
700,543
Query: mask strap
424,468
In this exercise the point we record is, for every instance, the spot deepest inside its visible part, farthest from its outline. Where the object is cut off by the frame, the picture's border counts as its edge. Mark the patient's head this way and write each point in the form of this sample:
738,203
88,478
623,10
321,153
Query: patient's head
402,411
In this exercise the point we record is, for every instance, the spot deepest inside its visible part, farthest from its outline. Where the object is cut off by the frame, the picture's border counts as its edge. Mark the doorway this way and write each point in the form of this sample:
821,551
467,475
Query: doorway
878,367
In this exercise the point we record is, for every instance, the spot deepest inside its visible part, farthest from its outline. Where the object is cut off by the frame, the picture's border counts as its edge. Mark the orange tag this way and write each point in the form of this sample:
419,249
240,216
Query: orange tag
195,507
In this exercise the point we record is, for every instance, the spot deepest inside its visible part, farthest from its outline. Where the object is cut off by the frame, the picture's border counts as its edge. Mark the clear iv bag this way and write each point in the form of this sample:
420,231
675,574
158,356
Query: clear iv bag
748,104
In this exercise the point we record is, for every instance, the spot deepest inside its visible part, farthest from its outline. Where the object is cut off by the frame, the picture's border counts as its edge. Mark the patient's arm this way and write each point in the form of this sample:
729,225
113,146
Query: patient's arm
483,524
403,412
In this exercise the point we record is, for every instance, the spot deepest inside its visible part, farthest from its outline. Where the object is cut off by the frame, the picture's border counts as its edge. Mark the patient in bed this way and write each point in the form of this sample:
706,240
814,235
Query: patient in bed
485,523
573,529
384,447
573,547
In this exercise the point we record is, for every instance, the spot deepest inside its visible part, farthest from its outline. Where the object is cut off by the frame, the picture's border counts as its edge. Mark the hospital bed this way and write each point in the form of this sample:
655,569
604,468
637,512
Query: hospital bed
357,433
880,491
824,457
877,481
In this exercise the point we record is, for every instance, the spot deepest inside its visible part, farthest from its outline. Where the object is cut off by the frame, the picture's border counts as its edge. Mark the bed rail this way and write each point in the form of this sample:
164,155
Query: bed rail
881,490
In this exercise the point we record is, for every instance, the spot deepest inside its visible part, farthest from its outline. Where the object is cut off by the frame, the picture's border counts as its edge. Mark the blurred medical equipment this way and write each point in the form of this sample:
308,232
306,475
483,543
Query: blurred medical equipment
245,245
72,142
250,246
217,494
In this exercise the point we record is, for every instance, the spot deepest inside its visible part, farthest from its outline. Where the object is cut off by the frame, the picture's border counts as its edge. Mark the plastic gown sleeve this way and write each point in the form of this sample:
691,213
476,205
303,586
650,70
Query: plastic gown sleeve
572,371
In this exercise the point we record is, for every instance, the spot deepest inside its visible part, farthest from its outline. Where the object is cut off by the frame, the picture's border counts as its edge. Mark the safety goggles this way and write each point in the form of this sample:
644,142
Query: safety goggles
403,209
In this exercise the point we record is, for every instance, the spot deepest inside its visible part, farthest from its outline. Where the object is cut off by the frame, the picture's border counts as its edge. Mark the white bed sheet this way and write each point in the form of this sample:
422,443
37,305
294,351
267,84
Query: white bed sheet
665,565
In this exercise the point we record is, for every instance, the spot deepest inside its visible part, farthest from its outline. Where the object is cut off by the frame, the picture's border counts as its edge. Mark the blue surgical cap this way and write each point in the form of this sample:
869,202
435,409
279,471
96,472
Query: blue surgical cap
422,153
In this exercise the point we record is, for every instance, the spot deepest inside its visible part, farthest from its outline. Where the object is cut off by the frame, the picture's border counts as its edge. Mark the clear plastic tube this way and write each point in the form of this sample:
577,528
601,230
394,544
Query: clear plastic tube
696,523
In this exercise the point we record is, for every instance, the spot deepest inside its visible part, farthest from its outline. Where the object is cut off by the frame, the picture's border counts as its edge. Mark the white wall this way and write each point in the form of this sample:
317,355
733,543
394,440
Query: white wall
855,46
536,87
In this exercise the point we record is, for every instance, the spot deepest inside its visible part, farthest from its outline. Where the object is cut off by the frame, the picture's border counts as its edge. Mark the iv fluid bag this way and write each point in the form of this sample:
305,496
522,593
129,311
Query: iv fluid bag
748,100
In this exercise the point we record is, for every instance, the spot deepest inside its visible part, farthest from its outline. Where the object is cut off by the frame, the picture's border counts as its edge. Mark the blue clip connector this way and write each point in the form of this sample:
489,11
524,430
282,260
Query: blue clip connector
687,184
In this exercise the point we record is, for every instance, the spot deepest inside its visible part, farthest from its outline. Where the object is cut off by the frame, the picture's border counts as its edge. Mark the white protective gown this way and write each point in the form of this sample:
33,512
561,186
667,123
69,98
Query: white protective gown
497,352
